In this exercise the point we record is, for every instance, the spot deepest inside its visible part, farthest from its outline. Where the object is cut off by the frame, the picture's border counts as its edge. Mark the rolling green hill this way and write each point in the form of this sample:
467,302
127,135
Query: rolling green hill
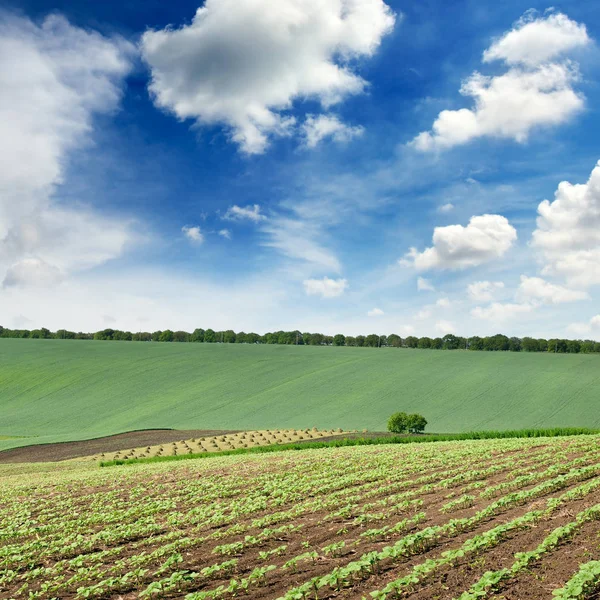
58,390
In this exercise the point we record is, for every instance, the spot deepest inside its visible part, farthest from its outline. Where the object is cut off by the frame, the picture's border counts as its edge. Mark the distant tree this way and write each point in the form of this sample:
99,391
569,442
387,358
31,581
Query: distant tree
105,334
197,335
395,341
63,334
210,336
411,341
451,342
475,343
424,343
416,423
530,345
156,336
181,336
253,338
514,344
166,336
350,340
122,336
339,339
557,345
587,347
316,339
142,336
573,346
307,338
360,340
398,422
437,343
229,336
372,341
269,338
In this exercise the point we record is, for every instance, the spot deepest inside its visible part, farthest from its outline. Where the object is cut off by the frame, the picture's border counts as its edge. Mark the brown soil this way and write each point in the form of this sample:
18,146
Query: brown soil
122,441
133,439
319,529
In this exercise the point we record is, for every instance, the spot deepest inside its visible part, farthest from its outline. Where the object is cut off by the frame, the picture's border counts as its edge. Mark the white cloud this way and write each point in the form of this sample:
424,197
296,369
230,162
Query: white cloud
32,272
446,208
317,128
583,328
299,240
193,234
423,314
536,288
225,233
531,93
242,63
498,312
424,285
444,327
485,238
483,291
244,213
443,303
375,312
326,287
568,232
533,40
54,78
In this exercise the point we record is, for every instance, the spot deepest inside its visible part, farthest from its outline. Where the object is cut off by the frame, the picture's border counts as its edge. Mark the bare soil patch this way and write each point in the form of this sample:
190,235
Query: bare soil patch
122,441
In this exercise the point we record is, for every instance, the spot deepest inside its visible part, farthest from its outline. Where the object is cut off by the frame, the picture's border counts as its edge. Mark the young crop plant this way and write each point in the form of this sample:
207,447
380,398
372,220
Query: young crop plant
583,584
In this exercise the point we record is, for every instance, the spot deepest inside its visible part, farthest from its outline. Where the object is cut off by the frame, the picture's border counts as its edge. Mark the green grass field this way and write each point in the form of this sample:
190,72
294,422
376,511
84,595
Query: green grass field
55,390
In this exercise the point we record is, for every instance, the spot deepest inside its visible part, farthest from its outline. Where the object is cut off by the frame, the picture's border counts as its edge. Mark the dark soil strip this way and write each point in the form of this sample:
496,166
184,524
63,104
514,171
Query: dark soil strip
122,441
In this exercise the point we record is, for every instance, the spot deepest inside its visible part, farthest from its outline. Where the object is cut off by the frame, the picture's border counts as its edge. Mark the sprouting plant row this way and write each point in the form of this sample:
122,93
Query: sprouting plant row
482,541
490,579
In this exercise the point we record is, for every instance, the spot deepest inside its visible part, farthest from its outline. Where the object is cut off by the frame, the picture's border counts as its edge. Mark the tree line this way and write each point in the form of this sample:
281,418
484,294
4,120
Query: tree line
494,343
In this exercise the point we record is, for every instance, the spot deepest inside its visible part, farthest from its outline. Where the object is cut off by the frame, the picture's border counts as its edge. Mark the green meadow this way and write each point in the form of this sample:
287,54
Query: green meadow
60,390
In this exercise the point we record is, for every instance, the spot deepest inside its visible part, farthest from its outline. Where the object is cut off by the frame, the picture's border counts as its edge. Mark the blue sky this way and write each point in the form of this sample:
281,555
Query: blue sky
263,166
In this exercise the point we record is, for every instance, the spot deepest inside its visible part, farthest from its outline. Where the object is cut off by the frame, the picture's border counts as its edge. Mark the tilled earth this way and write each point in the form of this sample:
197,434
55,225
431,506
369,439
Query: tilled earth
149,531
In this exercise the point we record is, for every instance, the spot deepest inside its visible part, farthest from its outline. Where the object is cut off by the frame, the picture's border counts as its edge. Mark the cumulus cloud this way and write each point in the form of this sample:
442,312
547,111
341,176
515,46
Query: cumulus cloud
424,285
326,287
194,234
32,272
243,63
320,127
534,40
54,78
245,213
498,312
585,327
533,92
225,233
568,232
444,327
443,302
485,238
446,208
483,291
538,289
375,312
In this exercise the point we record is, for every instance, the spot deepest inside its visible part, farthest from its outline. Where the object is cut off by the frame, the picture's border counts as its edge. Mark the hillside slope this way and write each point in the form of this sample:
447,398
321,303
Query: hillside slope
58,390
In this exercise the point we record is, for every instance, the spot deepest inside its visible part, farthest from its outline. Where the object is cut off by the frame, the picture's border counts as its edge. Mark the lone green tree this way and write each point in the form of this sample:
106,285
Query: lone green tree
398,422
416,423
